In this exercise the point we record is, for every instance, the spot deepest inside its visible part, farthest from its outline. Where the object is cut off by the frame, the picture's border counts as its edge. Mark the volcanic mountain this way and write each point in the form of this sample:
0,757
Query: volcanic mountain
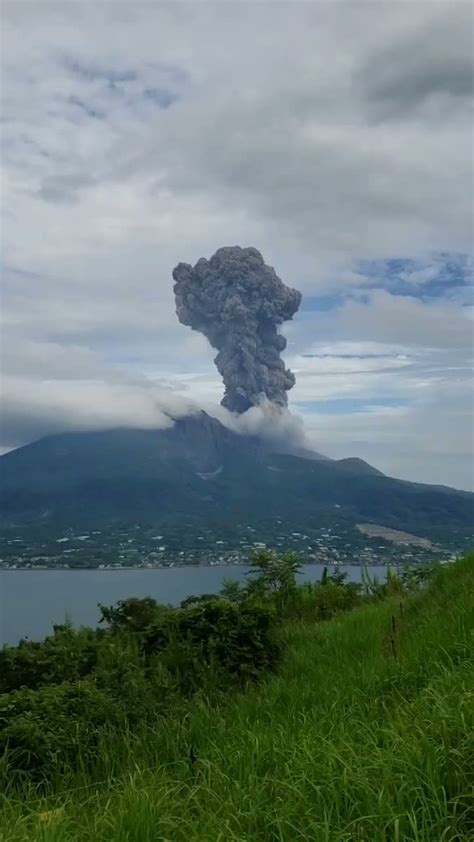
198,471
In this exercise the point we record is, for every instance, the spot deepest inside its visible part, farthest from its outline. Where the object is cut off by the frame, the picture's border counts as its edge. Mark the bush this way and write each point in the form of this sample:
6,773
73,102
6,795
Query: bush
142,690
416,576
63,695
195,600
45,731
396,584
233,639
323,600
66,655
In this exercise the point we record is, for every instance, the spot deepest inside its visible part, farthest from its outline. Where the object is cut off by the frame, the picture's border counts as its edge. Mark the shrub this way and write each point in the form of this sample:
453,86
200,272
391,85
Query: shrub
231,638
44,731
322,600
66,655
195,600
415,576
142,691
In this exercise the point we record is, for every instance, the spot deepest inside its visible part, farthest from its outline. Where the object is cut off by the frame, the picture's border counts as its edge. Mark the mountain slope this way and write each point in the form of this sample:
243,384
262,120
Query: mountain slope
199,471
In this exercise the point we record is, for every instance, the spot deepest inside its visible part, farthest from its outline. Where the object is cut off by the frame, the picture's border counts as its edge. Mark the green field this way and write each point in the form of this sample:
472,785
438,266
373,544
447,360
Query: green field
365,732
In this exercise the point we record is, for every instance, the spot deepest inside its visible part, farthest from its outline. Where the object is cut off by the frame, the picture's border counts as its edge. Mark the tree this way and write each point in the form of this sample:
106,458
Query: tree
275,573
132,614
233,591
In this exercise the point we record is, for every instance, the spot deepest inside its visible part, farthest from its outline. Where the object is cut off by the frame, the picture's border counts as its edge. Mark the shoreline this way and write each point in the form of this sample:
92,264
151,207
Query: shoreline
179,566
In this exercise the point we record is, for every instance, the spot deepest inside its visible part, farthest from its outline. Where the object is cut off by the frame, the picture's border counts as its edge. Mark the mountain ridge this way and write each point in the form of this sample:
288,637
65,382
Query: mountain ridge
199,472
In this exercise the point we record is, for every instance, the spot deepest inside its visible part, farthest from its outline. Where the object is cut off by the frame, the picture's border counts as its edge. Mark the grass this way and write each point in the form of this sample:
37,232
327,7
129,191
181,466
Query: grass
365,735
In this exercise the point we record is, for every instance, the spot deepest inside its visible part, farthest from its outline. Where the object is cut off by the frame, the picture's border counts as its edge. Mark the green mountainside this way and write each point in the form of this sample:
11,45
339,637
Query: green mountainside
198,472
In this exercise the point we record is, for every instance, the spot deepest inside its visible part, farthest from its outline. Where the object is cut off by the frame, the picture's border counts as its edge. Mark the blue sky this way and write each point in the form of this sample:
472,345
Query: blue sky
444,275
348,406
336,138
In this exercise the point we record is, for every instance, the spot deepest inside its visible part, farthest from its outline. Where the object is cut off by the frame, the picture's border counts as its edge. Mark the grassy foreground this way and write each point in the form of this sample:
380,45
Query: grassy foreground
365,733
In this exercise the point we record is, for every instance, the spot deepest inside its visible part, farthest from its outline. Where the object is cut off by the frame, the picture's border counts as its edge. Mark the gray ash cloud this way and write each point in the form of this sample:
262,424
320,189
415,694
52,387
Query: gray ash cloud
239,302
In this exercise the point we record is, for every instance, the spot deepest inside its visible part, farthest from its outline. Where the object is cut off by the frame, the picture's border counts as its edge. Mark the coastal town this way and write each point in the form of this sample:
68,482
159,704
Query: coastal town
141,546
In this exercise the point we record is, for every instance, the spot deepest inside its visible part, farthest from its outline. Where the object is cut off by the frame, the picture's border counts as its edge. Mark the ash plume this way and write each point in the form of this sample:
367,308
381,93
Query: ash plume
238,302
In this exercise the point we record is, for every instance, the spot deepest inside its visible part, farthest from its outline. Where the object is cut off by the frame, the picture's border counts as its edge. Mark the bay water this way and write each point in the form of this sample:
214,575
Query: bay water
32,600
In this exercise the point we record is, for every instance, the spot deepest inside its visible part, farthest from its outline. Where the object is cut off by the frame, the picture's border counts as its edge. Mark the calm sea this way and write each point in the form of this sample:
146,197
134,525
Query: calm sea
31,600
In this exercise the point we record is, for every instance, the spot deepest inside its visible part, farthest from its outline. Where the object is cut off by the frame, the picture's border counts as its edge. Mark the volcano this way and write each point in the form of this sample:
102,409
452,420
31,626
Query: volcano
199,472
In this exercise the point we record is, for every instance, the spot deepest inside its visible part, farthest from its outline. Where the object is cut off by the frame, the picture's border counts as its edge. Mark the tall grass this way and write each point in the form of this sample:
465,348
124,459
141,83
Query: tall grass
364,735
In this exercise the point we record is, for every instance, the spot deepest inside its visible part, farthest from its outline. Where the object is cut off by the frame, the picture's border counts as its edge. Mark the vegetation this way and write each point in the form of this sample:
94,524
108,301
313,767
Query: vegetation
248,716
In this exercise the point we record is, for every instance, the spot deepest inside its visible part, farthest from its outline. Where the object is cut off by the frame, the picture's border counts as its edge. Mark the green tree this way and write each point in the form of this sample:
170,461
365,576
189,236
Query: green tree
274,577
233,591
132,614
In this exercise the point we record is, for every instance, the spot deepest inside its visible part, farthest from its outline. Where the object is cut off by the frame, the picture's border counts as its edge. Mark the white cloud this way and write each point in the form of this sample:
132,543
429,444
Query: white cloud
431,441
34,408
396,318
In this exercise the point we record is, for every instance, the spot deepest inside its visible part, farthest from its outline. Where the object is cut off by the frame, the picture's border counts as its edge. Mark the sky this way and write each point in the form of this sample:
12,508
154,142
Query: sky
335,137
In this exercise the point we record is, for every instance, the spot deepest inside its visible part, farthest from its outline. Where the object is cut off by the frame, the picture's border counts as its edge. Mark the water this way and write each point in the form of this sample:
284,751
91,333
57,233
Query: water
32,600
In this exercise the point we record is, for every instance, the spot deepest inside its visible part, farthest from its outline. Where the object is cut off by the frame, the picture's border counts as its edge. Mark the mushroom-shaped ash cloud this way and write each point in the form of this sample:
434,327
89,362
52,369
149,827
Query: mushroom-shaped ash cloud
238,302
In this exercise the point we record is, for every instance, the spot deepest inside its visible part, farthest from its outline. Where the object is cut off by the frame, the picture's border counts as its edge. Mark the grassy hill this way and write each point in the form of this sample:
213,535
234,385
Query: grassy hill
364,733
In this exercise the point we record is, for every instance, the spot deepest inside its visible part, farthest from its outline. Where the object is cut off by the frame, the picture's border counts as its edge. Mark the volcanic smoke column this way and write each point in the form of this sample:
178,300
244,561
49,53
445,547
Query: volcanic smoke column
237,301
